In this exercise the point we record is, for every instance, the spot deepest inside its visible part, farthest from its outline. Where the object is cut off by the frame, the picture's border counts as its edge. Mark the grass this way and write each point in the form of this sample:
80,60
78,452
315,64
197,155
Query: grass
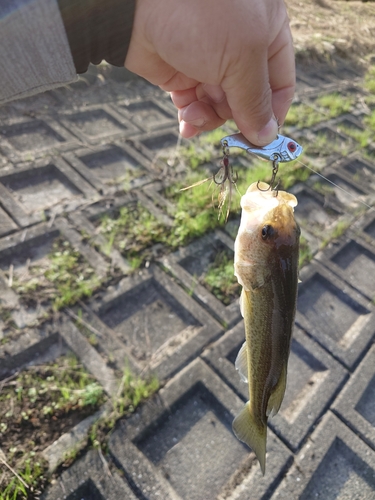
63,279
220,279
335,104
338,230
302,115
305,253
35,404
132,391
133,229
327,106
48,393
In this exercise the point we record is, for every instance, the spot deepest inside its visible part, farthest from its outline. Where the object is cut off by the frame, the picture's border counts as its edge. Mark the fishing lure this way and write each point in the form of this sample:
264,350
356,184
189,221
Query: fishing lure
281,150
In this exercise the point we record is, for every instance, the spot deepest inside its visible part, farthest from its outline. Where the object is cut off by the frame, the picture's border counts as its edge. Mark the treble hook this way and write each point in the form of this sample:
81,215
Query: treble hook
228,169
275,169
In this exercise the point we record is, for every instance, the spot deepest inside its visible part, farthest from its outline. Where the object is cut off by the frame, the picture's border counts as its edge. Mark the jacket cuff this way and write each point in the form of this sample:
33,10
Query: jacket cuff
97,30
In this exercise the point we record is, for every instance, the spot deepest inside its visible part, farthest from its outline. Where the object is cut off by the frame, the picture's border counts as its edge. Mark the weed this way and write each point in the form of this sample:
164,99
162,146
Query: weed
305,253
193,156
220,279
337,231
132,230
63,280
131,392
364,137
38,403
335,104
369,83
302,115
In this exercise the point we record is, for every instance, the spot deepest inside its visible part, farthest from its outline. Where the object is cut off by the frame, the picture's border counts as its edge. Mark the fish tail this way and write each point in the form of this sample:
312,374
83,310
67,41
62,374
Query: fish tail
254,434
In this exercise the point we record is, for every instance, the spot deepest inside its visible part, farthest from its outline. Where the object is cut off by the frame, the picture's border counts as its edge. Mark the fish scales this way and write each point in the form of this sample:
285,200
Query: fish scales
266,265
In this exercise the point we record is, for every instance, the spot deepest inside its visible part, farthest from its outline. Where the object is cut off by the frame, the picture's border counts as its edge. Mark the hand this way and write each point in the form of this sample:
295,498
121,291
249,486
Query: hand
219,59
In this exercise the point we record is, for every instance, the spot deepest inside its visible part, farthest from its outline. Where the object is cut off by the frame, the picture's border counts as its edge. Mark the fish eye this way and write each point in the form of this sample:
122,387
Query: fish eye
292,146
267,231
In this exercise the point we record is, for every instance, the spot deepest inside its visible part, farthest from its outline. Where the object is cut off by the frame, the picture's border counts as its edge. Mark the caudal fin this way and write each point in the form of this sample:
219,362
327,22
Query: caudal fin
251,433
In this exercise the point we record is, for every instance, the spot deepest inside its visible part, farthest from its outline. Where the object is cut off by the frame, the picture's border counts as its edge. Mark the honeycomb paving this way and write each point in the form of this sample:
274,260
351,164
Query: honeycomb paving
75,158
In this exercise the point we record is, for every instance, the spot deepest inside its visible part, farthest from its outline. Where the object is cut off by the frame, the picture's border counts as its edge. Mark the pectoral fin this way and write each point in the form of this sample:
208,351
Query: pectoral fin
241,363
277,395
253,434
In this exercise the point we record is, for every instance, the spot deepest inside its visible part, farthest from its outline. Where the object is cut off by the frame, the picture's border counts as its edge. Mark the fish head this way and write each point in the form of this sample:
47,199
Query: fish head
269,215
268,232
279,227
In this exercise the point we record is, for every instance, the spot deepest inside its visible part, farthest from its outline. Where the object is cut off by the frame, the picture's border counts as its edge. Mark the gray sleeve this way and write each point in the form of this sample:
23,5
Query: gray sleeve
35,54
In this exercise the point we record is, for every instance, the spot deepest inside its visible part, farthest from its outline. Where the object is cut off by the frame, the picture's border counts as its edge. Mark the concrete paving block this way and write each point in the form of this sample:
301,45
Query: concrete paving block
88,356
93,124
27,193
314,378
338,317
31,247
180,444
353,260
189,266
31,346
89,479
73,441
82,224
356,403
7,224
364,228
335,463
147,114
22,140
152,322
359,170
111,168
157,144
313,214
340,191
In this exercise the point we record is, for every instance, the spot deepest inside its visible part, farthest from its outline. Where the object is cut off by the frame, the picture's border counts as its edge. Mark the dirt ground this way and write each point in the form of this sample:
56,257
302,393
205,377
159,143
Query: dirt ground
333,28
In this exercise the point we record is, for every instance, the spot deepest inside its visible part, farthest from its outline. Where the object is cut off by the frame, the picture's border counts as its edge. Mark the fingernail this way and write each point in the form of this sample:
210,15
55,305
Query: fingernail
268,133
198,122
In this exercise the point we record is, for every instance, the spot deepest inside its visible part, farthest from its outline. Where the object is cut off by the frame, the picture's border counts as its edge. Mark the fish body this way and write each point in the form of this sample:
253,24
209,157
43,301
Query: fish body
266,265
282,149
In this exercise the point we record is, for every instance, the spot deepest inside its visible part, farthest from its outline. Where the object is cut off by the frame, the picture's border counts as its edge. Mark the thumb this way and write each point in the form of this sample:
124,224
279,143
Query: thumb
249,96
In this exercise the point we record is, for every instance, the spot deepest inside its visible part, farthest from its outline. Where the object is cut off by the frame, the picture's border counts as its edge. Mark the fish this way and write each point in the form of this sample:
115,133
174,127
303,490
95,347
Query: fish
266,266
282,149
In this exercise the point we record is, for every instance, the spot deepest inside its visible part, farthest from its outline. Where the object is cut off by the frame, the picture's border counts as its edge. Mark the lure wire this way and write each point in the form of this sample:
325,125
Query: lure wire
351,195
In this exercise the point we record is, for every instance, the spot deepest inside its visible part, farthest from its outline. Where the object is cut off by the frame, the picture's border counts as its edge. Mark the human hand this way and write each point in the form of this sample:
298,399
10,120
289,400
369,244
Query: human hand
219,59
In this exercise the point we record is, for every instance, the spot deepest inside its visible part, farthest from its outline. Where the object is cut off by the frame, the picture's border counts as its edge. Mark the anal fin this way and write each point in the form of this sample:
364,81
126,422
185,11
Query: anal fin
241,363
277,395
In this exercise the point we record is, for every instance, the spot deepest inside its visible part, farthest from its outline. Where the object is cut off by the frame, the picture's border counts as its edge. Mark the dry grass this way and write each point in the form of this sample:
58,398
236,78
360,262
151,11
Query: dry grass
333,28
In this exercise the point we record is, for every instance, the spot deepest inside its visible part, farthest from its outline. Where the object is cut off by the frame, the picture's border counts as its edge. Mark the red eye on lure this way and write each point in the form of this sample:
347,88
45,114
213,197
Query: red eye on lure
292,146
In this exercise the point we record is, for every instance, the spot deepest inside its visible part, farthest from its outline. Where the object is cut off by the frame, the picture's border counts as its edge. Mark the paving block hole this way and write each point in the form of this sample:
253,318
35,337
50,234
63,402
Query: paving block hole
341,474
113,164
40,188
328,309
31,135
147,318
184,443
95,123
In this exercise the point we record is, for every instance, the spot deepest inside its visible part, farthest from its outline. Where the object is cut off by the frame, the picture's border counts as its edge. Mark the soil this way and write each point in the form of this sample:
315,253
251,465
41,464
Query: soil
33,414
327,29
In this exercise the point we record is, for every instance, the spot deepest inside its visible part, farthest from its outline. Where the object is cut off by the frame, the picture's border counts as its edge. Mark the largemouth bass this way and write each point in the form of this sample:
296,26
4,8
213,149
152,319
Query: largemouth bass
266,265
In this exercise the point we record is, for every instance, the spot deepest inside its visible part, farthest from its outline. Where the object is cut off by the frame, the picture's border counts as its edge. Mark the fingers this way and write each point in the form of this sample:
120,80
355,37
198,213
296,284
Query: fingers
196,117
260,87
202,108
282,73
